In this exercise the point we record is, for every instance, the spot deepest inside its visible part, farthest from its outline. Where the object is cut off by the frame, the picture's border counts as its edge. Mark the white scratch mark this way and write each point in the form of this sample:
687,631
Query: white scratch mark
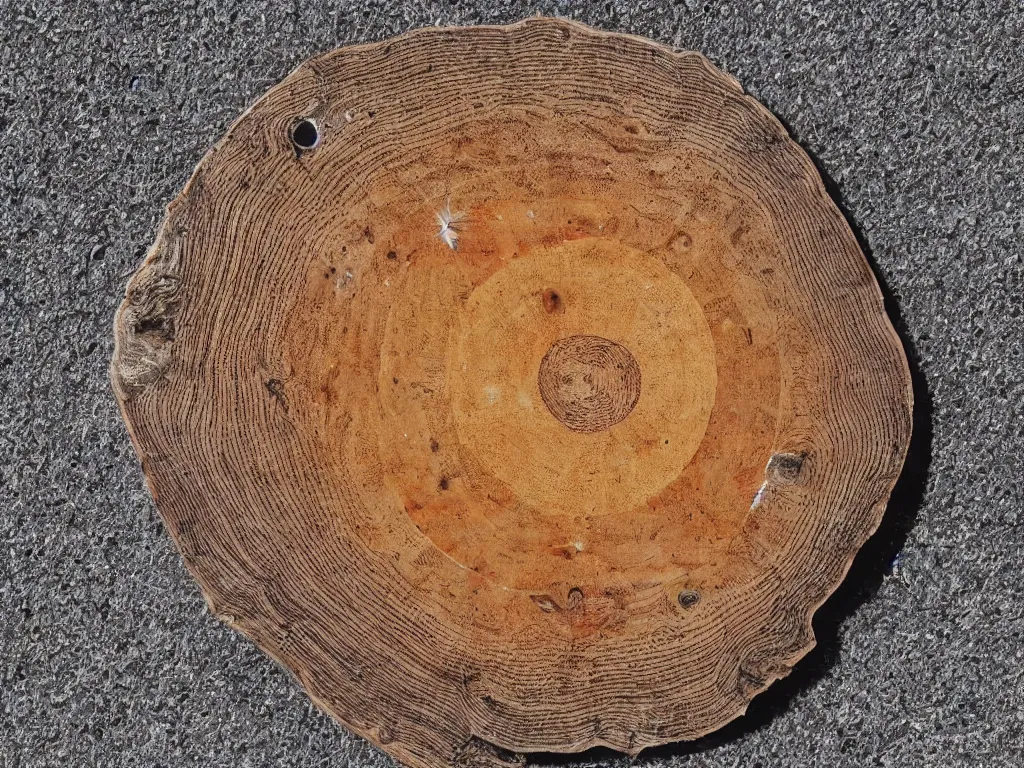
343,280
449,223
492,393
759,495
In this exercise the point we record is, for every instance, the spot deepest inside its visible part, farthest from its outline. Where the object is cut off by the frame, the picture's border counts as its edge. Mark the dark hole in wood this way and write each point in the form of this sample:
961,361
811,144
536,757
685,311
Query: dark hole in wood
305,135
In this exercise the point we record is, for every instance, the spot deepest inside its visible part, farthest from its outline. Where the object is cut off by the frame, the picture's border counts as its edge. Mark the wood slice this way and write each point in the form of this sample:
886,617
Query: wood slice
517,388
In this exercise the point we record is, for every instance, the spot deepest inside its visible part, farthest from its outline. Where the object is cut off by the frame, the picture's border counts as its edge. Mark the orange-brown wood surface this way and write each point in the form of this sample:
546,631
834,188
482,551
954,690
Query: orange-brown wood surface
535,405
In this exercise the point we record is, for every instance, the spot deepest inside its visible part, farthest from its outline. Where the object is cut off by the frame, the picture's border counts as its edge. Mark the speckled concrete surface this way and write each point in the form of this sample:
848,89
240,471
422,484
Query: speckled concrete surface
915,111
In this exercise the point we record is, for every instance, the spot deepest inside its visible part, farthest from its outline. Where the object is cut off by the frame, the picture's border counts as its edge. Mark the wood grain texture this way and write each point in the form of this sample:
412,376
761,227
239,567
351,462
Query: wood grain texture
581,479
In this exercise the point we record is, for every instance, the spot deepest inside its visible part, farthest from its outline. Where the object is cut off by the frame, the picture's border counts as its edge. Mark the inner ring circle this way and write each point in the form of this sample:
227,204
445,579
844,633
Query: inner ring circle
589,383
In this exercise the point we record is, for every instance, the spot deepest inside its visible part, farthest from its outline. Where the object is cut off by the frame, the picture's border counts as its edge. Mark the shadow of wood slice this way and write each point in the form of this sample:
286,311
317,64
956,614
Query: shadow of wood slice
517,388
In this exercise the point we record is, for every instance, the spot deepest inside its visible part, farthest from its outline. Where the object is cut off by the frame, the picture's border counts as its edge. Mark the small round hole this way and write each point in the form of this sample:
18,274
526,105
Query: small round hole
689,598
305,134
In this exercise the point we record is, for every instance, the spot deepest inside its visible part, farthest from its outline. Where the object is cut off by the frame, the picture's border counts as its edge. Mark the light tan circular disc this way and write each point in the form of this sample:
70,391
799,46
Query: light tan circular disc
518,388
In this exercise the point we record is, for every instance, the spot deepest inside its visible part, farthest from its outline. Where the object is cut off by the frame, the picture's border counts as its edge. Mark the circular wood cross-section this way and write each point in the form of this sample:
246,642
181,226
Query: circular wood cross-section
518,388
589,383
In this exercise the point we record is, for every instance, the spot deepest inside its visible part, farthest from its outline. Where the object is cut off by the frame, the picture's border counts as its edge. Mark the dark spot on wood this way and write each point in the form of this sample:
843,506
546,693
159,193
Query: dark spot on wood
689,598
434,446
552,301
443,485
392,255
786,468
682,241
276,389
305,136
162,325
